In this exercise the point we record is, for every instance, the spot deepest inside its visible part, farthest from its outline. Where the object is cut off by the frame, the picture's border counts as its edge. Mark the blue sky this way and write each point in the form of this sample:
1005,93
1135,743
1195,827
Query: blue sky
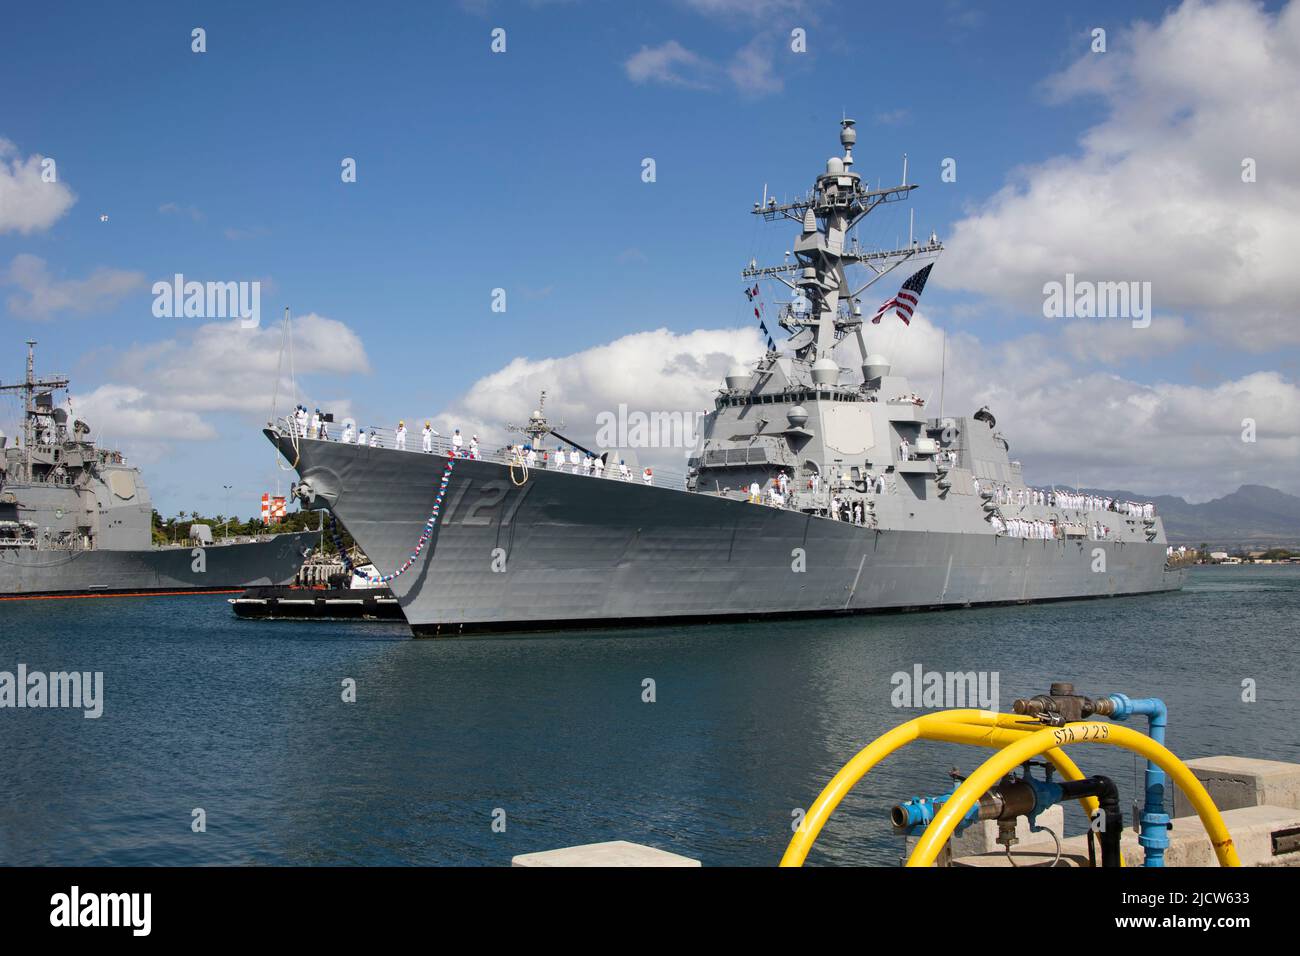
518,170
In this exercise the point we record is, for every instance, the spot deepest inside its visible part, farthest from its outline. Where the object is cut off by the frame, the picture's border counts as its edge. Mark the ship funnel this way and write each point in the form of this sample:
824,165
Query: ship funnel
825,371
876,366
737,376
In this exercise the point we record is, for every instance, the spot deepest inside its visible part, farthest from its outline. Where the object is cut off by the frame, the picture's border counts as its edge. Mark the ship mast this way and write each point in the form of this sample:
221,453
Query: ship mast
29,387
826,305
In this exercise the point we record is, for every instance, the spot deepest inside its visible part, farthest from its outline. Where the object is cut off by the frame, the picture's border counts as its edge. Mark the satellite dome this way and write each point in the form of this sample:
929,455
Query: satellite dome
825,371
797,416
737,377
875,366
834,166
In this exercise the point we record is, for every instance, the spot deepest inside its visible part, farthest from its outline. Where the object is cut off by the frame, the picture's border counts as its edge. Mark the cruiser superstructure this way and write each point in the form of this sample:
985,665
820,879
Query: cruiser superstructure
814,489
76,519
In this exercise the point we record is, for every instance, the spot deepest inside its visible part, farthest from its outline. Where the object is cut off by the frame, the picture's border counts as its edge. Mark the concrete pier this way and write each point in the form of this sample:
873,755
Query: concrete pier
1243,782
615,853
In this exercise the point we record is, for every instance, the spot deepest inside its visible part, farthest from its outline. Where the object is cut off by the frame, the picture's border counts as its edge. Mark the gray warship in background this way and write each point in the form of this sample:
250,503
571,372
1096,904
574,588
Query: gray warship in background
537,548
76,519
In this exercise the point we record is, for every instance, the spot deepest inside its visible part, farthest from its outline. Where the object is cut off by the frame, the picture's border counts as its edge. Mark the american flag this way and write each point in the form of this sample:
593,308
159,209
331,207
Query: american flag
908,296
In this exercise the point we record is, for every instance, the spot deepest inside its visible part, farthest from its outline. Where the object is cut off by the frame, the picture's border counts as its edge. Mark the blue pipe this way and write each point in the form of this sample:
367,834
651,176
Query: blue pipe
1154,836
919,811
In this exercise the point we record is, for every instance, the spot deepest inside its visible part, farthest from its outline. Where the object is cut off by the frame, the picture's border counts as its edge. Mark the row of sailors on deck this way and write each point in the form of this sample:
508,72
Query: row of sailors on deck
372,439
1005,495
577,463
316,425
1040,529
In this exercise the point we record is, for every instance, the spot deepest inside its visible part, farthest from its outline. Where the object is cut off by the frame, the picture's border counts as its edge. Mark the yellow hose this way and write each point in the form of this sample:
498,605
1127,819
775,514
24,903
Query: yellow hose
975,727
1048,739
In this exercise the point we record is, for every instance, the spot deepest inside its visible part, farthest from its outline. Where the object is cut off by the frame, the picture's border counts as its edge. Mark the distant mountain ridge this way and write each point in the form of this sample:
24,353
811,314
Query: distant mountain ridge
1251,515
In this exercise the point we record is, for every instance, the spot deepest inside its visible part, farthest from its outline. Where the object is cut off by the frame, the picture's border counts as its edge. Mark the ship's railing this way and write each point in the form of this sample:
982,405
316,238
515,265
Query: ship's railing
380,437
1007,497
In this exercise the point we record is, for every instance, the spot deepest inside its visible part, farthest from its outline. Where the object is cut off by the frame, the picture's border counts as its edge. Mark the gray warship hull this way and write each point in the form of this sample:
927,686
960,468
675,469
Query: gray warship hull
221,567
564,550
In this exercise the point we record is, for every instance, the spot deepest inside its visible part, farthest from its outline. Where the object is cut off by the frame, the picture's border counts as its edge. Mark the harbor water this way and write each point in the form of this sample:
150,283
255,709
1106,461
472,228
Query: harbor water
470,751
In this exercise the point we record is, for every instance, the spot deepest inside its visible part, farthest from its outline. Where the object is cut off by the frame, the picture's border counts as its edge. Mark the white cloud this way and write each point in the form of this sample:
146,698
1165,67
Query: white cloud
750,70
42,296
27,202
176,209
670,64
256,232
1092,427
753,9
658,371
216,368
1097,428
125,411
1114,341
1155,192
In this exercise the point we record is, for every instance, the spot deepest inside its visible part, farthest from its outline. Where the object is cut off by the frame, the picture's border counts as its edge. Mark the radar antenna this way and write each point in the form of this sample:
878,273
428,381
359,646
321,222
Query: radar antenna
537,427
826,306
36,411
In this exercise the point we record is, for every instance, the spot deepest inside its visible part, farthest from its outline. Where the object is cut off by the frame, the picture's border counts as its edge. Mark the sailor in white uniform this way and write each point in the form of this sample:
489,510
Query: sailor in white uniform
401,436
457,443
347,434
361,436
573,460
648,476
598,467
426,437
473,446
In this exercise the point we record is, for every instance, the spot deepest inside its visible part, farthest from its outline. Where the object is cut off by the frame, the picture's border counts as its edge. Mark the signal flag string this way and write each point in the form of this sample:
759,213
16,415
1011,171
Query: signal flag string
419,546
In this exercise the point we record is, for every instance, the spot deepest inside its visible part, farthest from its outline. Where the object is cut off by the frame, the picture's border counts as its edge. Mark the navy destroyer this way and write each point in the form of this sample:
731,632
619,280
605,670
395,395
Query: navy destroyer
813,488
76,519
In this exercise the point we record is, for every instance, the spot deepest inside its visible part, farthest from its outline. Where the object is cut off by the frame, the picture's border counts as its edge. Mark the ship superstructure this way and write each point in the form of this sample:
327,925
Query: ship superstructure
77,519
814,488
